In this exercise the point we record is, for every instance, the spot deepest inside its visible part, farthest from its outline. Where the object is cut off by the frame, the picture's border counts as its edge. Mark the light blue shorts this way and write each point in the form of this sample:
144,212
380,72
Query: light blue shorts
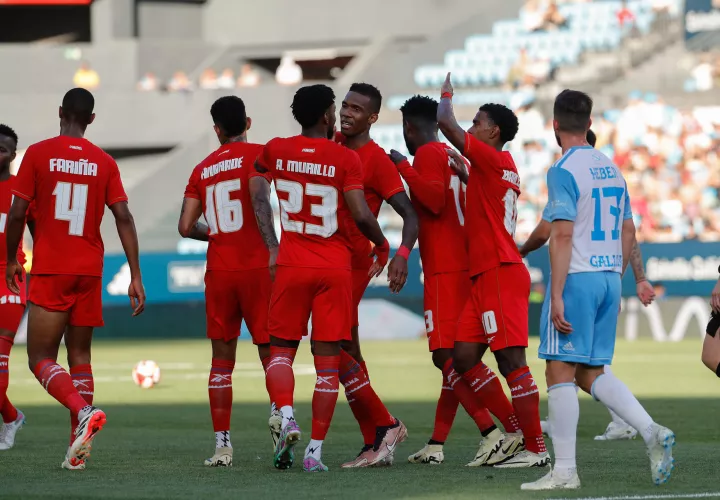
592,304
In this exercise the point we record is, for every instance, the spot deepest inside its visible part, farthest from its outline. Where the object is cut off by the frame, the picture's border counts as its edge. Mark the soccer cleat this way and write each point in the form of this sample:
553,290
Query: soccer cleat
512,445
490,450
311,464
275,424
554,481
8,431
431,454
90,424
386,441
221,458
660,454
525,459
386,462
284,454
545,428
362,460
68,463
617,432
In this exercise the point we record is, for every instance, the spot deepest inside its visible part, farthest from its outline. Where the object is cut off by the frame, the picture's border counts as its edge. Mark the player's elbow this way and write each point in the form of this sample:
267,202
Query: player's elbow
184,228
628,229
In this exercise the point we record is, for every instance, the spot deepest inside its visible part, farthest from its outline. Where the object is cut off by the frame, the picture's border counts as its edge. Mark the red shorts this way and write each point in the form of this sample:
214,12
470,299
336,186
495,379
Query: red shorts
230,297
300,291
80,296
12,307
360,282
444,299
497,311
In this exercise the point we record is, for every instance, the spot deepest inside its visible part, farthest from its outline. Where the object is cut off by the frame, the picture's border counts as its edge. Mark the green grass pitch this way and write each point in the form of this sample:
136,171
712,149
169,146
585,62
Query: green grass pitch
155,440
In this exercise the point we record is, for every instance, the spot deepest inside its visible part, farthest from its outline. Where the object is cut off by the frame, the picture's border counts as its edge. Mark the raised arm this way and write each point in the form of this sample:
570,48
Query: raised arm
446,117
13,236
189,225
128,237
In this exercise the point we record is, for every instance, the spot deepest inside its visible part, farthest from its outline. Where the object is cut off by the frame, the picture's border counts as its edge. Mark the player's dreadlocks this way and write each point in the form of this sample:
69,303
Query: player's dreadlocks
504,118
420,111
228,113
8,132
369,91
311,103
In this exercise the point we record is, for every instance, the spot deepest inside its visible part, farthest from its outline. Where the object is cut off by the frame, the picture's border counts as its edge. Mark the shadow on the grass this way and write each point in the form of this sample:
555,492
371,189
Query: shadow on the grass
156,451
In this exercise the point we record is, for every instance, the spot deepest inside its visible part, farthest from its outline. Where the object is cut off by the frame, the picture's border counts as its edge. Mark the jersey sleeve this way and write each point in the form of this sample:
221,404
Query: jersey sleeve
426,178
353,172
481,155
563,194
627,211
264,160
191,190
115,191
24,185
386,178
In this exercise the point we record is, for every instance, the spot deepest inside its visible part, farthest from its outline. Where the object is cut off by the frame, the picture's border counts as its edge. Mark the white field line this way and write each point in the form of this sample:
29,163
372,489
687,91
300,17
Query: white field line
649,497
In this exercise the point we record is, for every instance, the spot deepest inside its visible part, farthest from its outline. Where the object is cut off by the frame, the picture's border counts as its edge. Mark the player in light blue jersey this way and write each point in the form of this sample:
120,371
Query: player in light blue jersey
591,239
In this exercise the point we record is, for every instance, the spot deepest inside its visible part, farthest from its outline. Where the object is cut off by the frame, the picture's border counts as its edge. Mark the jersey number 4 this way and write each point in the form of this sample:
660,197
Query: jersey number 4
327,210
616,194
71,205
222,213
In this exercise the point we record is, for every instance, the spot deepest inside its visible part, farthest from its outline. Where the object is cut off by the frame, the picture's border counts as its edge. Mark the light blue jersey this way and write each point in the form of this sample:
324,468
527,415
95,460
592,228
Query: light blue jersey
584,187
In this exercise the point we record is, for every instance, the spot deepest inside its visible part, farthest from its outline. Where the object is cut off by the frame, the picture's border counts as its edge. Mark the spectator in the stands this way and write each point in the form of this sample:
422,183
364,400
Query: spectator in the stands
626,19
703,76
248,76
531,15
86,77
553,19
226,80
289,72
180,83
208,79
148,82
527,72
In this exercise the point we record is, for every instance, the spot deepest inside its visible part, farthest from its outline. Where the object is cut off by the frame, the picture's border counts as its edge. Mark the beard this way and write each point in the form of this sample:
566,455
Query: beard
557,138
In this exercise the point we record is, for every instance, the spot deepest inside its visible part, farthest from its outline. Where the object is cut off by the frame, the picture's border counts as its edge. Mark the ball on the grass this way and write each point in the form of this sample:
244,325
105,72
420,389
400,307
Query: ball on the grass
146,374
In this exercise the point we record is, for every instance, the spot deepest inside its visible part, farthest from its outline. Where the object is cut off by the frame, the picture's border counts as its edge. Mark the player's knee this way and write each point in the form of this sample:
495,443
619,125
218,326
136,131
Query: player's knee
463,361
78,357
353,349
440,357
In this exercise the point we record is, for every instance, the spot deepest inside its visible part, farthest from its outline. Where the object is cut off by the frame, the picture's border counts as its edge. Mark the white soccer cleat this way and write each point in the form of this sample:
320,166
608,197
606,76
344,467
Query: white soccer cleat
545,428
617,432
431,454
512,445
275,425
68,463
221,458
525,459
91,422
490,449
8,431
554,481
662,462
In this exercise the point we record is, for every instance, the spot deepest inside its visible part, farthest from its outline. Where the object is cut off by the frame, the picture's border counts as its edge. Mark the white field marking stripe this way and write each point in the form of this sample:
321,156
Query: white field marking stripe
649,497
173,366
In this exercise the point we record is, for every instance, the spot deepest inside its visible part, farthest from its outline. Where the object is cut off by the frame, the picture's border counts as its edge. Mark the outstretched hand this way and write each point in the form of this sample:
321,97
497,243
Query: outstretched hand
447,86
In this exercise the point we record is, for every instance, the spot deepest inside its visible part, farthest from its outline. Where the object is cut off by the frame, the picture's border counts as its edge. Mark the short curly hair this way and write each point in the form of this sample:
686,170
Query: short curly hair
504,118
8,132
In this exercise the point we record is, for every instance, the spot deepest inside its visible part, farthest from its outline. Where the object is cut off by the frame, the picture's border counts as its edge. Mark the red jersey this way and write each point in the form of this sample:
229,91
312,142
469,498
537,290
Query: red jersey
439,200
382,181
5,204
311,175
71,181
492,193
220,182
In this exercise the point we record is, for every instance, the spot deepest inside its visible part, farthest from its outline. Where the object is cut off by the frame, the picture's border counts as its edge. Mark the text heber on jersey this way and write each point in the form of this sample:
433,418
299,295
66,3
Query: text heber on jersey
79,167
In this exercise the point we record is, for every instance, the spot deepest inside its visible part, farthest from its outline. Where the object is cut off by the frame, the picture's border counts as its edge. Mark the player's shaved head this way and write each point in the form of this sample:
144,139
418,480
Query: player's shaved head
591,138
313,104
371,92
502,117
78,106
572,111
419,122
228,114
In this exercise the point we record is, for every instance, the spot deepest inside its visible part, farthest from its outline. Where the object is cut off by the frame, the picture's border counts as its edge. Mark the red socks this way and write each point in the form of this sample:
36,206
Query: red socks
221,393
279,376
82,379
369,410
58,384
7,410
445,412
480,415
526,401
486,386
325,396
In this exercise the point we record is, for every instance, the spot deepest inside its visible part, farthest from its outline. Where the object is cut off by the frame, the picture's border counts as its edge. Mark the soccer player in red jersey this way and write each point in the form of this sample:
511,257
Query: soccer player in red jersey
237,280
12,305
439,198
382,182
496,315
320,189
70,181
